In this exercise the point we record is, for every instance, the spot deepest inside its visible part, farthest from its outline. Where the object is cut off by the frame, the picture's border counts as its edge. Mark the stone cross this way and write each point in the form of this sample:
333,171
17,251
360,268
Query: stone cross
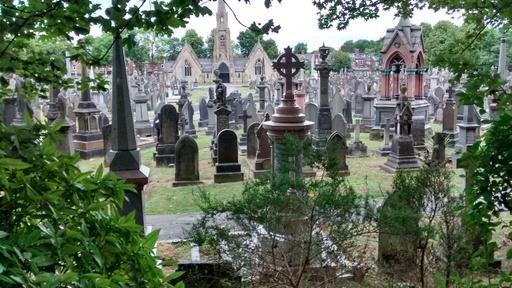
288,65
450,92
244,117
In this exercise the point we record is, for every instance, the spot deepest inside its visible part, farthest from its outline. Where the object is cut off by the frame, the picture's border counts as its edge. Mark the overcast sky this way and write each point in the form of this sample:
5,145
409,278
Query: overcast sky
298,22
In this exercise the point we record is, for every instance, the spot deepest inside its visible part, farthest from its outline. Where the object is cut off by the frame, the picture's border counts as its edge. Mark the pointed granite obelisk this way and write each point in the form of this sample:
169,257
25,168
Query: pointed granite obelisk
124,157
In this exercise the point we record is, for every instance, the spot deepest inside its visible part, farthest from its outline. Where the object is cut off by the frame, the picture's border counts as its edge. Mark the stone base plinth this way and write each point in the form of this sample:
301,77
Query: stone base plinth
88,149
186,183
134,200
165,154
259,173
144,131
165,160
395,163
228,177
357,149
344,172
228,172
384,150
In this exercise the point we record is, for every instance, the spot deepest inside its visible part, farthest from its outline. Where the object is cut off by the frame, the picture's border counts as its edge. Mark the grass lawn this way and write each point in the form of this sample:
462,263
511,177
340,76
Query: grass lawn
161,198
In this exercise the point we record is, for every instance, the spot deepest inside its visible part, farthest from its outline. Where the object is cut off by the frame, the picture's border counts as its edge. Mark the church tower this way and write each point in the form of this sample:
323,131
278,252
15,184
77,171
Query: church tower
222,53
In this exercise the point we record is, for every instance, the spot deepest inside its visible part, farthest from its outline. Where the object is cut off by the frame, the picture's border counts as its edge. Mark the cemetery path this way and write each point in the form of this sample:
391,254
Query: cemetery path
172,227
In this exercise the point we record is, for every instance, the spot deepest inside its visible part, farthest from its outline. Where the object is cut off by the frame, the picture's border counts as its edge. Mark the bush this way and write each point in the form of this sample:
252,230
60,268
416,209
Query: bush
60,226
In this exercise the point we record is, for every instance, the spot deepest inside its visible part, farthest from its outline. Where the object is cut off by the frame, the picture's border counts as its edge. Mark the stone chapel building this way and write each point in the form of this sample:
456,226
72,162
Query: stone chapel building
189,67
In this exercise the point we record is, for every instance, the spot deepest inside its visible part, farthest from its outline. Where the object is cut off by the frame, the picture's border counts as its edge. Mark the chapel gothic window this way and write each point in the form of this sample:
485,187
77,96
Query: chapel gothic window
258,67
188,69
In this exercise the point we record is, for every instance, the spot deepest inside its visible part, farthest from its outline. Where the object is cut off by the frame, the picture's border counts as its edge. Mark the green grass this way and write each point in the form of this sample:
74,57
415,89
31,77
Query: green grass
161,198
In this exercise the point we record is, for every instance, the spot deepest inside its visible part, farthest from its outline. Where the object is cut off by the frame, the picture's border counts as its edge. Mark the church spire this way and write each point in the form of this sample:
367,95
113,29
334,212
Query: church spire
222,15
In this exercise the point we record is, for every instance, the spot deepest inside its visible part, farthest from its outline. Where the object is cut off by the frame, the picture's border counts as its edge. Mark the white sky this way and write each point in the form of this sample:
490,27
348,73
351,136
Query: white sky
298,20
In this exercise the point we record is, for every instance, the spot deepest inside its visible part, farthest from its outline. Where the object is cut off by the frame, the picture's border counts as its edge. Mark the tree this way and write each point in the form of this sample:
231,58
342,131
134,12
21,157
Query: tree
191,37
289,224
209,46
98,47
270,48
348,46
60,227
247,39
461,56
169,47
300,48
341,60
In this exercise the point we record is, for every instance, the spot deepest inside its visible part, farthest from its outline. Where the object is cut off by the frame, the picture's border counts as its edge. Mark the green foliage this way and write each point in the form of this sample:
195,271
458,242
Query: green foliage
248,38
300,48
60,226
340,60
191,37
292,211
363,45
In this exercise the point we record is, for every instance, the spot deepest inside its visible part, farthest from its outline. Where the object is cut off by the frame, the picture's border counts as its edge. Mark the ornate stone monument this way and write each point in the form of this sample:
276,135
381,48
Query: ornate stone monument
143,126
125,156
402,155
324,120
288,118
450,118
469,129
88,140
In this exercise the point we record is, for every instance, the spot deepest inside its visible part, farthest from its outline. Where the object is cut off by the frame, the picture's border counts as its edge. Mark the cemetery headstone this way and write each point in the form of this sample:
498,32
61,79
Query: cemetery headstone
357,148
165,148
187,162
227,168
263,162
386,148
418,132
252,140
203,113
337,149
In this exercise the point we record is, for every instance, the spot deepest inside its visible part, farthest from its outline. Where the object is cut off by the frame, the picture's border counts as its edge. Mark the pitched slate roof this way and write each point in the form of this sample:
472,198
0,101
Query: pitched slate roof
411,35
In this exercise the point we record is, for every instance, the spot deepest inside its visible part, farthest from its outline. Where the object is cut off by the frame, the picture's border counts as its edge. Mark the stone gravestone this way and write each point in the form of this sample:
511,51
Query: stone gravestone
222,116
337,151
165,148
384,149
263,162
252,140
418,132
188,111
251,111
357,149
212,118
65,144
312,114
339,125
348,111
227,168
106,131
203,113
243,138
269,109
187,162
439,148
450,118
402,155
142,124
469,128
